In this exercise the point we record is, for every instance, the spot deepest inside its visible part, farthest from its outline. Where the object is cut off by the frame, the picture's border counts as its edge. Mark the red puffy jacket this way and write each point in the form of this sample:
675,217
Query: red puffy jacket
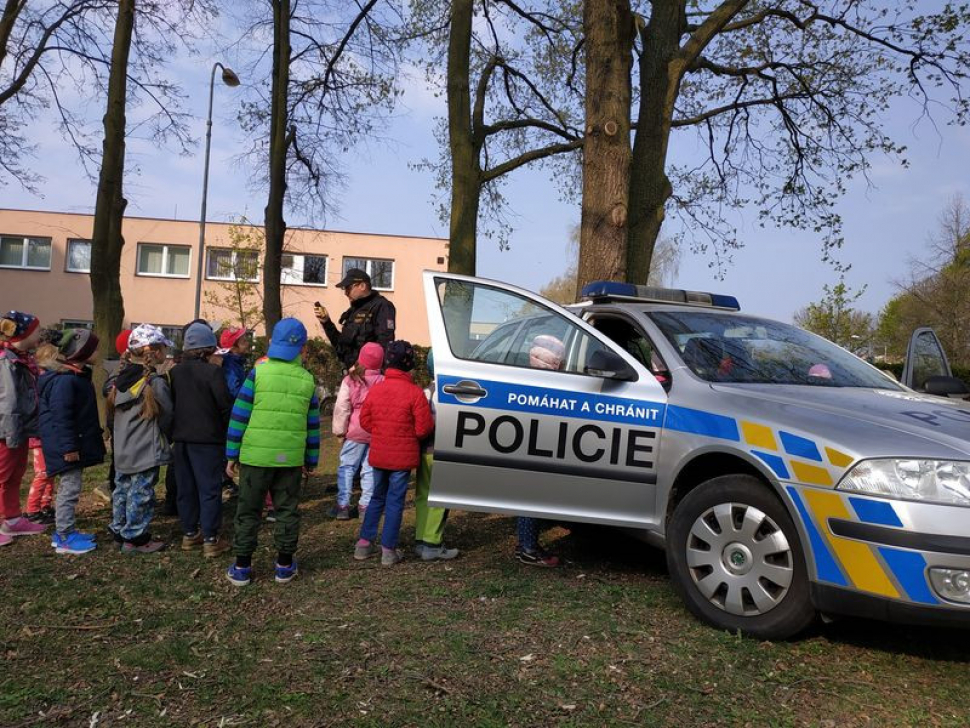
397,415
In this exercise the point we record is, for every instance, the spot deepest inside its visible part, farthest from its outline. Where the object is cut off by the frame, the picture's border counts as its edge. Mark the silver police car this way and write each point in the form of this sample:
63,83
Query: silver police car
784,476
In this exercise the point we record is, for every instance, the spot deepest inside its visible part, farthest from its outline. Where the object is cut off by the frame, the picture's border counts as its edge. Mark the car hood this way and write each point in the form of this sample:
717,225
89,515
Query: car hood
867,422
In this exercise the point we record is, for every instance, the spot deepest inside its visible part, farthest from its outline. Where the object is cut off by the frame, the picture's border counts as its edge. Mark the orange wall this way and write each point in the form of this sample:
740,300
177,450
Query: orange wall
56,295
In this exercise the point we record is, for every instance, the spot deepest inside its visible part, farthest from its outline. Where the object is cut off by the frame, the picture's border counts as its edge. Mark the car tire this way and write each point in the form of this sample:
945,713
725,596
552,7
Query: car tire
737,561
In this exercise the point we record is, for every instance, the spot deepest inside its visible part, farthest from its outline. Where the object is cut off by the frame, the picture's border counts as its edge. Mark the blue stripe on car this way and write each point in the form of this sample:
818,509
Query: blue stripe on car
825,565
909,568
799,446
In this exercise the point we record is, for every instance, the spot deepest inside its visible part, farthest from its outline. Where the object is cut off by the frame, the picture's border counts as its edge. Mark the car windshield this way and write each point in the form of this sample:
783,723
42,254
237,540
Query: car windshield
721,347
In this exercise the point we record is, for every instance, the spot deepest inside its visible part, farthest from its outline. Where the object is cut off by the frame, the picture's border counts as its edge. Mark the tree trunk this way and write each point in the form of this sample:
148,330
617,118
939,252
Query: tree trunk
279,142
649,186
466,173
109,207
606,153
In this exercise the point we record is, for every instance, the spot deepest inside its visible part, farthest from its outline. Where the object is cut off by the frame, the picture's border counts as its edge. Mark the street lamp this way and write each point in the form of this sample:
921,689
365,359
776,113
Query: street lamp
232,80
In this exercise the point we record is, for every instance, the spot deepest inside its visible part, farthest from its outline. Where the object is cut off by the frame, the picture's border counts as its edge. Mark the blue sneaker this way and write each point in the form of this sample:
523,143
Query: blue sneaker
89,537
286,574
240,575
73,543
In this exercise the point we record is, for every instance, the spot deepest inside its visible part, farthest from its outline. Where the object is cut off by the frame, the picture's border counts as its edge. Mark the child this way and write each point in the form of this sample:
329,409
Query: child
140,415
429,523
273,439
19,335
40,497
104,490
234,346
70,431
202,407
346,424
397,415
546,352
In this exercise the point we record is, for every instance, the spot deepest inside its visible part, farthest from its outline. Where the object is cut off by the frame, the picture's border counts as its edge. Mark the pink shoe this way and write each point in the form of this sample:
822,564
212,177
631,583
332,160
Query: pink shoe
5,540
21,527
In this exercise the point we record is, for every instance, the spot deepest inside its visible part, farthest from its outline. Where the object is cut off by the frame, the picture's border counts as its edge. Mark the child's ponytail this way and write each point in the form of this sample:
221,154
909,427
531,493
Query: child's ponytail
149,404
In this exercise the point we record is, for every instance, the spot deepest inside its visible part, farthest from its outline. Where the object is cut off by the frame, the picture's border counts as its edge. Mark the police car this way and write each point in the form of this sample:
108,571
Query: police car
784,476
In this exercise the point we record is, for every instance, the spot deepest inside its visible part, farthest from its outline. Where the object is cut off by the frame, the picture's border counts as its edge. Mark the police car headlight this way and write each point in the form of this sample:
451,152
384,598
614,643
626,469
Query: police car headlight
931,481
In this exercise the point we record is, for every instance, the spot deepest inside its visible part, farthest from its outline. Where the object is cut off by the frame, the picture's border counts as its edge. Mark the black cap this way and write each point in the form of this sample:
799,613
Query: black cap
352,276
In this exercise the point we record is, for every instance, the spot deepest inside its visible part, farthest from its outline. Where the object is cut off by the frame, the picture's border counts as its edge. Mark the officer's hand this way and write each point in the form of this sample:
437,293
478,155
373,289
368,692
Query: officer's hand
321,313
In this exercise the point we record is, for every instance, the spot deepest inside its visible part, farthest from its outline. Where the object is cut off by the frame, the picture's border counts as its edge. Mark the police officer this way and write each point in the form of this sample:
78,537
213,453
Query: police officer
371,317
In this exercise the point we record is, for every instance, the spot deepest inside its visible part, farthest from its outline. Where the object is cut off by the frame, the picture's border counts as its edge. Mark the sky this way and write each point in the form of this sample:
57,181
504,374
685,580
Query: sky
777,272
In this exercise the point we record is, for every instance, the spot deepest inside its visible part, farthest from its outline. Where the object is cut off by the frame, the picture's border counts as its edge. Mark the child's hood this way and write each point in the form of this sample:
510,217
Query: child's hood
130,382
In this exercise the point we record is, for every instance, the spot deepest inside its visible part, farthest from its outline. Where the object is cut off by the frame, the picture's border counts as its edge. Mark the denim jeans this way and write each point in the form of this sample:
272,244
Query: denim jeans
390,489
353,457
68,493
528,532
133,506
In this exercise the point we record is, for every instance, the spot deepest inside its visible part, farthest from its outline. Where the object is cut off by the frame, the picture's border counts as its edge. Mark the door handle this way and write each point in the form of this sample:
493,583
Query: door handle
465,389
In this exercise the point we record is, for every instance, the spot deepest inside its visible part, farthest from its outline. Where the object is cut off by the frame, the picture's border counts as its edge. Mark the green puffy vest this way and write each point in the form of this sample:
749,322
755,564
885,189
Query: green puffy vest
277,431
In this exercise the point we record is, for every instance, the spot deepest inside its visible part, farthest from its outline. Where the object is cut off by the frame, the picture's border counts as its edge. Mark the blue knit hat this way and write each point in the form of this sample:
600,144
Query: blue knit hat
17,326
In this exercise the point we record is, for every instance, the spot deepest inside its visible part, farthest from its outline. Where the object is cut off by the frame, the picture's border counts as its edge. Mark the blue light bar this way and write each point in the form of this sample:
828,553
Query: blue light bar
630,291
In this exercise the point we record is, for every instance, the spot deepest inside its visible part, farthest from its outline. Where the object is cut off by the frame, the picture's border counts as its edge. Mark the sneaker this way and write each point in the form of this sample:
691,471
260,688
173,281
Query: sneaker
362,552
150,547
270,516
438,553
193,542
389,557
539,557
103,492
5,540
90,537
21,527
419,548
42,517
240,575
343,513
214,547
285,574
361,512
73,543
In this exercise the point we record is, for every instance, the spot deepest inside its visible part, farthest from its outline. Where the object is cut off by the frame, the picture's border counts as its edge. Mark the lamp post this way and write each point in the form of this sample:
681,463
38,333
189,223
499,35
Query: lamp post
232,80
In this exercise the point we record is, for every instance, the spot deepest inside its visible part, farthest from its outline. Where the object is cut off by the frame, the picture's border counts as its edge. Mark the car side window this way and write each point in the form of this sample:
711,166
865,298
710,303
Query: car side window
493,325
632,340
496,348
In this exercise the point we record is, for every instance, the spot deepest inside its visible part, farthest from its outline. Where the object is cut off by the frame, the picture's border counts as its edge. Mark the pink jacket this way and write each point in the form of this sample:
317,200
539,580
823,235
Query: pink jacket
350,399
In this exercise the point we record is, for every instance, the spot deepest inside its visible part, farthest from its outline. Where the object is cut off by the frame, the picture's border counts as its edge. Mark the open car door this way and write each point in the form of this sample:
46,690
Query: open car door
537,413
927,368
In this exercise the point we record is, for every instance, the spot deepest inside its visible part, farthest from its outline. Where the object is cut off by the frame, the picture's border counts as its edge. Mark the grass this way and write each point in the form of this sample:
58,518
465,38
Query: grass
165,640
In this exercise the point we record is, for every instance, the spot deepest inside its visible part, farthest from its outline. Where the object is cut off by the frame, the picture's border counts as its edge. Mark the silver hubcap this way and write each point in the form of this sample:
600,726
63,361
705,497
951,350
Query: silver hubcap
739,559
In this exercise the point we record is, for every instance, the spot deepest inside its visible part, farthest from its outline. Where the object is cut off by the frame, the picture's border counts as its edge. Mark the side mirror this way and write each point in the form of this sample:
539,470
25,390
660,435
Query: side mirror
609,365
946,386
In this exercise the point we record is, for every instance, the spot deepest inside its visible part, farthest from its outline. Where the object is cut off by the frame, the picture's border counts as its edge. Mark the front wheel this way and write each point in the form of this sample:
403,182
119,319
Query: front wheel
737,561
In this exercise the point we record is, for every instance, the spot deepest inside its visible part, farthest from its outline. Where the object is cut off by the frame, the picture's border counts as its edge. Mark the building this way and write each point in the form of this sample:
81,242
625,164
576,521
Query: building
45,259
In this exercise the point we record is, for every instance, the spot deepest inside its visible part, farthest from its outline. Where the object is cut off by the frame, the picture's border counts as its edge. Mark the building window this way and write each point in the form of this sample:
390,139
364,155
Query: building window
76,324
166,261
381,271
304,270
232,265
78,256
29,253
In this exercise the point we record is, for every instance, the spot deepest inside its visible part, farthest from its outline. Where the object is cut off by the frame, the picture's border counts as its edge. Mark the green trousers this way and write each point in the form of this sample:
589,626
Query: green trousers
283,485
429,523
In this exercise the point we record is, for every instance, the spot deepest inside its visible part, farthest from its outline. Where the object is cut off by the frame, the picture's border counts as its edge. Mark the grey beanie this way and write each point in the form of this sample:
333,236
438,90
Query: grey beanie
199,336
